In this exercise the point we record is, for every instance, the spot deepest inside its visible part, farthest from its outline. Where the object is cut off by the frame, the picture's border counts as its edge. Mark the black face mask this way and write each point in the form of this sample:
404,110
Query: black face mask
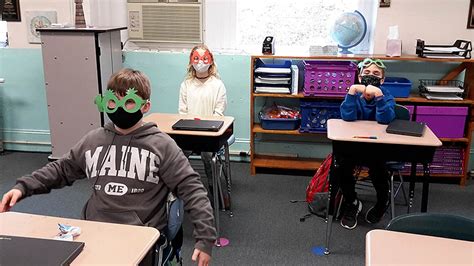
370,80
125,120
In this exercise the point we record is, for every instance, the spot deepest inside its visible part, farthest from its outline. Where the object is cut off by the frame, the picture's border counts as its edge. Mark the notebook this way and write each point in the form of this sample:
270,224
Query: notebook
406,127
199,125
17,250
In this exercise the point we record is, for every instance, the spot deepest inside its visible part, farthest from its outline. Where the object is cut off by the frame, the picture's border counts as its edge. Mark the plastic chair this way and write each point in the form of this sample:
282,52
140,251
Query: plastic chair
434,224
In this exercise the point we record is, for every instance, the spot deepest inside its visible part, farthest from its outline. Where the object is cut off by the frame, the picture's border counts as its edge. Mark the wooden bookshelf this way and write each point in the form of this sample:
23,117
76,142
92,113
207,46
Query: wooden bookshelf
278,162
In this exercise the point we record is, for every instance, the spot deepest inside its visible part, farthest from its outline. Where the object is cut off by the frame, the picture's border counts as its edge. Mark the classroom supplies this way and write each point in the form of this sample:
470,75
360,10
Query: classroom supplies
365,137
397,86
406,127
444,121
459,49
17,250
328,78
198,125
442,89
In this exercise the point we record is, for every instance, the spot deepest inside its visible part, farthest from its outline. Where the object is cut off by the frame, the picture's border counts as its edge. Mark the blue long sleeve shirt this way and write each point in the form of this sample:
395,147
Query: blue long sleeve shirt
380,109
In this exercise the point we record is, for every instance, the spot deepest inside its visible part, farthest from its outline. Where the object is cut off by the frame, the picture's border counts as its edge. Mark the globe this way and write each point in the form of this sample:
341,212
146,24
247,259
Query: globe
349,30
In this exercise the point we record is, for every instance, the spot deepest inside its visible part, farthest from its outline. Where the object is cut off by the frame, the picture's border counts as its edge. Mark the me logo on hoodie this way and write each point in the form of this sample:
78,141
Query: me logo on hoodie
115,189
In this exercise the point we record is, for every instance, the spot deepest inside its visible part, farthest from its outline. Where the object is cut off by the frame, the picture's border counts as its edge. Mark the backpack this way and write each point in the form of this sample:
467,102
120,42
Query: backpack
317,192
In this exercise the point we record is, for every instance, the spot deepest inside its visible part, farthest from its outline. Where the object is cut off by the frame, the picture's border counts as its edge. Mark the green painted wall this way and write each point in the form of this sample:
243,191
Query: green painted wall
24,117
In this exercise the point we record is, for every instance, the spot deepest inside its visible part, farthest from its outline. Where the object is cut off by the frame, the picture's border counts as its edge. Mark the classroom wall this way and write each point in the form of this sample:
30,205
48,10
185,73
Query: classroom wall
23,112
435,21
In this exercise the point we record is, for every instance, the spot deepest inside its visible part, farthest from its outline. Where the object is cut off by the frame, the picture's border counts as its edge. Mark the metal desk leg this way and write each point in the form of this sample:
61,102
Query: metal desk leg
333,177
228,177
411,192
215,197
426,188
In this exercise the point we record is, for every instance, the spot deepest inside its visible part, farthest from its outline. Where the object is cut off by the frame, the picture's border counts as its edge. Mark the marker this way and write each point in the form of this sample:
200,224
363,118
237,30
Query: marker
365,137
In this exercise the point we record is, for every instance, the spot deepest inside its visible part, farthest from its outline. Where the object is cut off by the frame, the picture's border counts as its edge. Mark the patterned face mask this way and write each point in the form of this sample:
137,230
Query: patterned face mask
371,80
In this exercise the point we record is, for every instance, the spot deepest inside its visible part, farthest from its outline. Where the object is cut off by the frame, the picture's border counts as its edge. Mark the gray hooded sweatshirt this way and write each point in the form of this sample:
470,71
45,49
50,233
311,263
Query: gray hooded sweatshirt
132,176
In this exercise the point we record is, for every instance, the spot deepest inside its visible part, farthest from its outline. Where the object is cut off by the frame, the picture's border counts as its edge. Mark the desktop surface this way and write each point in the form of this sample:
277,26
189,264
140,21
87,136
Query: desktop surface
105,243
15,250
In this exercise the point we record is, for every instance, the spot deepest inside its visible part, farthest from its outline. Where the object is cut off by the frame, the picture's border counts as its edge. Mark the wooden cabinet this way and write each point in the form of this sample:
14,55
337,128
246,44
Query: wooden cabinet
275,161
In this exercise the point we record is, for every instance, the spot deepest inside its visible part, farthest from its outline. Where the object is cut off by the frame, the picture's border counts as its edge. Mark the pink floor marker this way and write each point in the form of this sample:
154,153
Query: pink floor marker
223,242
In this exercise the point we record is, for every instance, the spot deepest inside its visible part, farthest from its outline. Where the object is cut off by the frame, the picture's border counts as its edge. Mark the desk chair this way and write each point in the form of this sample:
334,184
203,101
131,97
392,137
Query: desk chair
434,224
401,112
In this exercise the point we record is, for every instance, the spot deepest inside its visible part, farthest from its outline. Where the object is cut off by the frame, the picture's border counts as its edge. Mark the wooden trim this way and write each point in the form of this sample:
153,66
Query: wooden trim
278,162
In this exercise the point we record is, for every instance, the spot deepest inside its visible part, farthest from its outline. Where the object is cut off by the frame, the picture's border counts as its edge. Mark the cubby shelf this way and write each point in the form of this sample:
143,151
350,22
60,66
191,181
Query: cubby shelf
278,162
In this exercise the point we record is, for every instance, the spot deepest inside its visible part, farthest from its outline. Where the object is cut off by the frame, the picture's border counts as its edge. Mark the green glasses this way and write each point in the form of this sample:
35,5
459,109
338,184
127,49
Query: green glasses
369,61
109,103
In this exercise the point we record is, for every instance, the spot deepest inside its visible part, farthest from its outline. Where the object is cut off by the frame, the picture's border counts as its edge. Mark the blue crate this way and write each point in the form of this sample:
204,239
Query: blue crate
273,63
314,115
398,87
279,123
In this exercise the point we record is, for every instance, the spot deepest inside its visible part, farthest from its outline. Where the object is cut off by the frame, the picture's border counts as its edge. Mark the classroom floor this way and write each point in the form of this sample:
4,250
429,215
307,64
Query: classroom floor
265,229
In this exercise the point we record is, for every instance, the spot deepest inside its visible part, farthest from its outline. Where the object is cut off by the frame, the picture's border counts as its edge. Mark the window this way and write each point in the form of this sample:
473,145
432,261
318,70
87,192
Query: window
3,34
296,25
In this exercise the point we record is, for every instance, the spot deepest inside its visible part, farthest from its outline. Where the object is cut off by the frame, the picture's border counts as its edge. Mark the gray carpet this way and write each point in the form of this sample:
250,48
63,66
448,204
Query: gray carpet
265,229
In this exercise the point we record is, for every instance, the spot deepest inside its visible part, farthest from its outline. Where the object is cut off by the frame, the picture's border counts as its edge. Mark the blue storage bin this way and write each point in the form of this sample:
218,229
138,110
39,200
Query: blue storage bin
279,123
314,115
398,87
274,63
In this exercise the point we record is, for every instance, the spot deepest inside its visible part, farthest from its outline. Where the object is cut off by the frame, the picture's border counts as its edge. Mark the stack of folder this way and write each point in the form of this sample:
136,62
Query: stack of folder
442,89
272,78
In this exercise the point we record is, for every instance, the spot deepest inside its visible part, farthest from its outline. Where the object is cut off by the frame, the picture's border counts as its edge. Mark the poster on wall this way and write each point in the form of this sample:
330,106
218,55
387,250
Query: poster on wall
10,10
38,19
470,17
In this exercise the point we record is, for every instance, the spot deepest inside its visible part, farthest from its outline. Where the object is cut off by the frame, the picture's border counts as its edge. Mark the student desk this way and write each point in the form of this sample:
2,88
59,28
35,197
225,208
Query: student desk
105,243
384,247
199,141
386,147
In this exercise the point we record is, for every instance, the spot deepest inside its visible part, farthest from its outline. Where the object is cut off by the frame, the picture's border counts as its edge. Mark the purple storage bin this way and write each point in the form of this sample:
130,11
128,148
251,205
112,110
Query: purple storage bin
445,122
328,78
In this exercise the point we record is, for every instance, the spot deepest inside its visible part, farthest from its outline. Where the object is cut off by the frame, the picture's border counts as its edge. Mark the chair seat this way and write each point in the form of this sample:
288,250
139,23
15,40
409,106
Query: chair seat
395,166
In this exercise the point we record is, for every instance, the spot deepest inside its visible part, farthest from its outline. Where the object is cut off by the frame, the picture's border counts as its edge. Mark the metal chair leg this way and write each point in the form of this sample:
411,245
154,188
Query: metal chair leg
403,188
392,195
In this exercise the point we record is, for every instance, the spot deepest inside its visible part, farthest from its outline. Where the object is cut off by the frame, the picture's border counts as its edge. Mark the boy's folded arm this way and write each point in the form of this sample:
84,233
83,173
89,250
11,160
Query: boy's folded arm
349,108
385,112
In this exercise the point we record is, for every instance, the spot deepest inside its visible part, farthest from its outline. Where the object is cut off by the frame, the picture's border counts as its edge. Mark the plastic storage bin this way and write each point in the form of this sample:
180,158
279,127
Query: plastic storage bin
328,78
314,115
445,122
398,87
279,123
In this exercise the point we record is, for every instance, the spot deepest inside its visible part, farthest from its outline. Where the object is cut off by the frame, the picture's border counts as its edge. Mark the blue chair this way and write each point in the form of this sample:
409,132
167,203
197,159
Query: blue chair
434,224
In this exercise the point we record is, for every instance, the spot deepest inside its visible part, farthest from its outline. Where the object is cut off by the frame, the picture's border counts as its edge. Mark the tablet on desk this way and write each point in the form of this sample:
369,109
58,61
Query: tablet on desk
406,127
198,125
16,250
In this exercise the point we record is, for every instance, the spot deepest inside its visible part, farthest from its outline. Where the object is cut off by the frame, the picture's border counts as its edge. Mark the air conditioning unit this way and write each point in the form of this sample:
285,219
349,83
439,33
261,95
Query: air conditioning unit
169,21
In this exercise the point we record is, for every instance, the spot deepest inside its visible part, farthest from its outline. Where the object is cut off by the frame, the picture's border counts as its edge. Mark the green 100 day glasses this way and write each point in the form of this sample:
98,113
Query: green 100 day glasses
109,102
369,61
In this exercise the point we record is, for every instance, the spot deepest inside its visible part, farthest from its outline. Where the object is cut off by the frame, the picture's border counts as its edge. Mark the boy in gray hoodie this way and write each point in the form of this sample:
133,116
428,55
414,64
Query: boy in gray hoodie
133,166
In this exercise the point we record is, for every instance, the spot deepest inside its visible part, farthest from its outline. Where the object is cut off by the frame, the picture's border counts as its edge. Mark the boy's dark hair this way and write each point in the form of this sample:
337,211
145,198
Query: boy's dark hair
128,78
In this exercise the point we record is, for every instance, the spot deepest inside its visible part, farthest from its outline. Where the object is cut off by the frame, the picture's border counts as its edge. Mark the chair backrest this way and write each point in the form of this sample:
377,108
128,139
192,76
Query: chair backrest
434,224
401,112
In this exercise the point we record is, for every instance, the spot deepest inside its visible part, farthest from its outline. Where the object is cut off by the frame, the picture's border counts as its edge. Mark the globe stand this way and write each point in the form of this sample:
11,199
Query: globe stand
345,50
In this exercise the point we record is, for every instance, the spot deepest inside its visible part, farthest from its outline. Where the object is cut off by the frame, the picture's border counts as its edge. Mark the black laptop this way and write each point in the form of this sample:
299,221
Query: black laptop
15,250
406,127
199,125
